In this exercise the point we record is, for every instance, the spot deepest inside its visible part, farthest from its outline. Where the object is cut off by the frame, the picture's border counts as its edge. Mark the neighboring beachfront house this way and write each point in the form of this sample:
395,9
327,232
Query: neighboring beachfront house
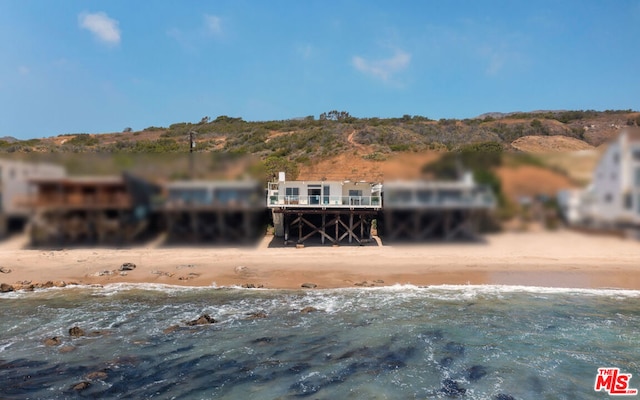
214,211
229,194
433,210
613,198
14,190
89,210
461,194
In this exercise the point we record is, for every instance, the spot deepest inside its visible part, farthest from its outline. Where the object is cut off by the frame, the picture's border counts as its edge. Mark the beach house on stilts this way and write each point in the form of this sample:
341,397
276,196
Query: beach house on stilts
15,190
332,211
423,210
214,211
94,210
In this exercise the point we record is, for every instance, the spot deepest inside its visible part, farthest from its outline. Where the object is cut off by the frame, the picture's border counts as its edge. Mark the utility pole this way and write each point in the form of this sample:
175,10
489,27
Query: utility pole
192,146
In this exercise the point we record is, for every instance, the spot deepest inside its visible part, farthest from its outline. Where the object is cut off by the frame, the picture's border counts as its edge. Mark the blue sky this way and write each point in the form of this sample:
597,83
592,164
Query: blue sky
75,66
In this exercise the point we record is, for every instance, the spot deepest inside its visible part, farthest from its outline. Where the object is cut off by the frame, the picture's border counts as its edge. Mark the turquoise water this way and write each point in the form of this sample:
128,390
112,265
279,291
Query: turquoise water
401,342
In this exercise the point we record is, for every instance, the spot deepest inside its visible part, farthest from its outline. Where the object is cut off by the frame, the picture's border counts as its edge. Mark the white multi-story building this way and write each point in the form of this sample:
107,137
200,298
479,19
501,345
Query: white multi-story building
613,198
15,185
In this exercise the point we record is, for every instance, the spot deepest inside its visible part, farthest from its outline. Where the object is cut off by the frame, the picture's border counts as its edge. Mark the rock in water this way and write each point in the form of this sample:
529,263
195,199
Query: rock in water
308,310
76,332
258,315
127,266
96,375
476,372
502,396
53,341
81,386
203,320
171,329
452,389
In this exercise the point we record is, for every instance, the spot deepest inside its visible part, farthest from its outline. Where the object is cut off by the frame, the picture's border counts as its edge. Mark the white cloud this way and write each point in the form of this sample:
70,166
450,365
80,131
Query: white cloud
382,69
104,28
213,24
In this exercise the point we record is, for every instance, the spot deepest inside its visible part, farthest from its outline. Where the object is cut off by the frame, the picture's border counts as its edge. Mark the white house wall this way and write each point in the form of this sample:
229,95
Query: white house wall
607,185
14,181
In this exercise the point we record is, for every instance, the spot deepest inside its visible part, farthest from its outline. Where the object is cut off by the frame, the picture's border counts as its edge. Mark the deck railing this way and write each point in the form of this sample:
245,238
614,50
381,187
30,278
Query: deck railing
326,201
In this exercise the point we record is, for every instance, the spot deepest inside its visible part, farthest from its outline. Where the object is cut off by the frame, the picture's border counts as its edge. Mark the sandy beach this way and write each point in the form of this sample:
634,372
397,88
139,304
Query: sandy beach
553,259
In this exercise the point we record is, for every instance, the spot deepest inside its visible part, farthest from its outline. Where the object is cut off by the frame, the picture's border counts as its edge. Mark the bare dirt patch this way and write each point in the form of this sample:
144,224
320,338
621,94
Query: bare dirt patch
550,144
352,166
529,181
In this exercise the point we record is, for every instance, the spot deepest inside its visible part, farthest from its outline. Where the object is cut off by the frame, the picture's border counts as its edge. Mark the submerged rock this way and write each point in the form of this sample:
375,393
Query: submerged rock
308,310
454,349
96,375
452,388
171,329
446,362
502,396
53,341
78,387
67,349
99,333
257,315
76,332
476,372
204,319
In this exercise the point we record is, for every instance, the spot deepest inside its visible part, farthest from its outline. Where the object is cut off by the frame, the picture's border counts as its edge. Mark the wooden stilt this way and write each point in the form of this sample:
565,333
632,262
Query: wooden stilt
323,234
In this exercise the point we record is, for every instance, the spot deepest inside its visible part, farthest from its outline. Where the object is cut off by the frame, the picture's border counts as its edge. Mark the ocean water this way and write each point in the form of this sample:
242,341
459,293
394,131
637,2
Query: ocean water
399,342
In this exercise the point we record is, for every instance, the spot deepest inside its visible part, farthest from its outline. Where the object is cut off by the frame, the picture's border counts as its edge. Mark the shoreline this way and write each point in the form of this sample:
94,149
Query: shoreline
561,259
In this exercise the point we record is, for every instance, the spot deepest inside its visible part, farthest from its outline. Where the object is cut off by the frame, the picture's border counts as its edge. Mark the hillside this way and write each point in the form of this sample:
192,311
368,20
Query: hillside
550,144
339,146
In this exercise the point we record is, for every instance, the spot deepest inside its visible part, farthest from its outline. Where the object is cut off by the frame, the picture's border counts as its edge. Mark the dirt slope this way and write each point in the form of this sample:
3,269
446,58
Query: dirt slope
528,180
549,144
352,166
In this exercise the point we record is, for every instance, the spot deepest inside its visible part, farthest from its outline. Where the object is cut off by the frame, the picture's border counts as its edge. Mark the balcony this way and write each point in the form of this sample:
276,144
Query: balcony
325,201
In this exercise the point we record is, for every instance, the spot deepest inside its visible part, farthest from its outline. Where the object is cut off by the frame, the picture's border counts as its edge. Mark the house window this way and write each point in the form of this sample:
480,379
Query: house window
608,197
289,192
355,197
636,155
628,201
637,177
616,158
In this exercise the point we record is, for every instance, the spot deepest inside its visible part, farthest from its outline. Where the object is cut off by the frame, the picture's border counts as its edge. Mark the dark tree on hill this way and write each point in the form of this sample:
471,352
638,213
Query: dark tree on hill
336,115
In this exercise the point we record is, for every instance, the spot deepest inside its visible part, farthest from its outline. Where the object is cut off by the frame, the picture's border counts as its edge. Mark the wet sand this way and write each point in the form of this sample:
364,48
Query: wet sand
549,259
